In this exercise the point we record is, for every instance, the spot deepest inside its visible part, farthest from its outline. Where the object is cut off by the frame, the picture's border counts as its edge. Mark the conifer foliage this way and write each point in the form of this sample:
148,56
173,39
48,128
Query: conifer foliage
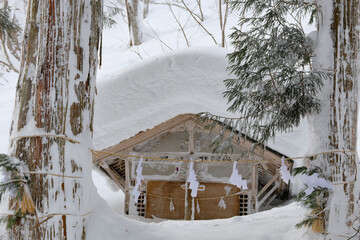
274,84
6,24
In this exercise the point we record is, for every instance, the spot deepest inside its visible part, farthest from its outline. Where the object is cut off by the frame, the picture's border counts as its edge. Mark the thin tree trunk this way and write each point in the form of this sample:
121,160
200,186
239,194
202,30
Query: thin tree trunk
339,111
54,106
133,15
146,8
223,20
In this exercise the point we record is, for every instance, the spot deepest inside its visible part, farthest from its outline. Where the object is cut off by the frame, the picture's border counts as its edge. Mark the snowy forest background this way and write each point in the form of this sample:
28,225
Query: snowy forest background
134,32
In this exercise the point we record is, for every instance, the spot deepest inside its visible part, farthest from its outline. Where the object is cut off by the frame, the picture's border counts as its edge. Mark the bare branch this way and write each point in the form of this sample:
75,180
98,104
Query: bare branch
200,9
9,65
193,16
181,27
157,37
179,6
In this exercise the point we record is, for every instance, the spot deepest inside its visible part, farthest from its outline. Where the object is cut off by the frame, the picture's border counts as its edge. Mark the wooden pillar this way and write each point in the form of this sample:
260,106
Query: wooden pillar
127,186
254,186
188,203
188,199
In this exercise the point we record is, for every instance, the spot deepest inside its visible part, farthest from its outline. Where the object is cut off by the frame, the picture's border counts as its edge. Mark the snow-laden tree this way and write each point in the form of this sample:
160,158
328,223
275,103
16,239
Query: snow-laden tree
282,75
52,126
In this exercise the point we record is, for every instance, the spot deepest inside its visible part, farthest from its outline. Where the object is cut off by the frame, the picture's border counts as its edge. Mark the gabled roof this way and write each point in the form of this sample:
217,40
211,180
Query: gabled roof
128,144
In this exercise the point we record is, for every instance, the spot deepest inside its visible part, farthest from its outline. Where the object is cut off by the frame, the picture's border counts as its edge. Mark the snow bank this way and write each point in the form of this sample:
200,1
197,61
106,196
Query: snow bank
275,224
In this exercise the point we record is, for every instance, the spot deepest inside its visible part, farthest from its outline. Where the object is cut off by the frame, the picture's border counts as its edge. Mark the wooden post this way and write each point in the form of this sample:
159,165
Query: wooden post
254,185
188,198
127,186
188,203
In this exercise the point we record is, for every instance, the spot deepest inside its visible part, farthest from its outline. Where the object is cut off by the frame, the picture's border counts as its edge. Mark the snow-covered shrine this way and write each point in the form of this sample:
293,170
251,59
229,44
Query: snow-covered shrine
169,171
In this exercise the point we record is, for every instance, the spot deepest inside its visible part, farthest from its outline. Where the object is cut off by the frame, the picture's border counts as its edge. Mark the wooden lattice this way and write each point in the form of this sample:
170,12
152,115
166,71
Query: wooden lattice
244,204
141,204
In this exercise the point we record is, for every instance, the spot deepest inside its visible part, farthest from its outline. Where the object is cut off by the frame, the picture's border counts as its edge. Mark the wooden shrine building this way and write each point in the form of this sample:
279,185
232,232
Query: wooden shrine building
166,150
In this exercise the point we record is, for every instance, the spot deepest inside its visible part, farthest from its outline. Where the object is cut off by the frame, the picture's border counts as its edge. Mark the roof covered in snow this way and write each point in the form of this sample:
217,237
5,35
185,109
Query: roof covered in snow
160,88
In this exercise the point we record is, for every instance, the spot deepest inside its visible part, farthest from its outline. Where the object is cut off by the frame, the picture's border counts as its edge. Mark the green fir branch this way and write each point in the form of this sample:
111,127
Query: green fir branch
15,185
273,85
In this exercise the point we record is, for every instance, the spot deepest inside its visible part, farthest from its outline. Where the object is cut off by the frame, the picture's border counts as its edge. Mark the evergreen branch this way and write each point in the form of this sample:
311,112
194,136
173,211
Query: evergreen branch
20,200
299,170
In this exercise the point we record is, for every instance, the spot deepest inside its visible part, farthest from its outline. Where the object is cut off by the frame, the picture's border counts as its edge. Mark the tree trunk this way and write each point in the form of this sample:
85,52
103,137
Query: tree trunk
53,111
339,27
133,18
223,19
146,8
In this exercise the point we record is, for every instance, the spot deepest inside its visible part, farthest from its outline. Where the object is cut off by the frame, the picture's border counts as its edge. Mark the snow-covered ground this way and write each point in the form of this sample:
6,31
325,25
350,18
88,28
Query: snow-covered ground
122,62
275,224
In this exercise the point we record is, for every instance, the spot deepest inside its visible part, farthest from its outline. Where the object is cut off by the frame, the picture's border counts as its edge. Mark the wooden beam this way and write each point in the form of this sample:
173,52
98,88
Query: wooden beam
114,176
273,179
128,144
143,136
270,200
277,184
248,144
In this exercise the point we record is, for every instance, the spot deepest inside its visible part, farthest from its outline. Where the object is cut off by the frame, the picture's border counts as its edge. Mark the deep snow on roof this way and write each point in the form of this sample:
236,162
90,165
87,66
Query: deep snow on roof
160,88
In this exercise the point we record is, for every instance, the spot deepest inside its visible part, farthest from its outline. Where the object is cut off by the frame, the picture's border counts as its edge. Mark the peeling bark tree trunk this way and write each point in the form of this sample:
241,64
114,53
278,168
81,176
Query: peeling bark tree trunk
55,96
339,25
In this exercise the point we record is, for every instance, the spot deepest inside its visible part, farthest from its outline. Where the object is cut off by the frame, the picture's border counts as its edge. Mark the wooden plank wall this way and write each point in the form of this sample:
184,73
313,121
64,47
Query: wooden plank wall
161,193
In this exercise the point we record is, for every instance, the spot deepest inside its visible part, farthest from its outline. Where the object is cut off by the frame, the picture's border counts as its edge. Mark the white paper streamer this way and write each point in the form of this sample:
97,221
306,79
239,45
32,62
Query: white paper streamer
284,172
197,207
194,184
172,207
236,178
222,204
136,191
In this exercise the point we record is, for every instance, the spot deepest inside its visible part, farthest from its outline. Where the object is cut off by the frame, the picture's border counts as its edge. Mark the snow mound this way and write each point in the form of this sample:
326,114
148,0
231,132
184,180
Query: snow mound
159,88
275,224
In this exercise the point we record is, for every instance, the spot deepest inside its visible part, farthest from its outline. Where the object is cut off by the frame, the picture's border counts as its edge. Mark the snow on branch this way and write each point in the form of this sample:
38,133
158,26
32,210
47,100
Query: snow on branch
314,181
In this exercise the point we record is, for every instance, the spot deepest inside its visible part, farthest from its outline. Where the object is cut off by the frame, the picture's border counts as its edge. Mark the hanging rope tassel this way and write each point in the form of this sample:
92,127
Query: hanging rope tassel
172,207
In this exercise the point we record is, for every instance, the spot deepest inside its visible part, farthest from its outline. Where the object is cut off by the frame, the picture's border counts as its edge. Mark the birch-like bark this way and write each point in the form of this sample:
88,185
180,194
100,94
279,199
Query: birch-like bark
55,96
146,8
335,128
134,24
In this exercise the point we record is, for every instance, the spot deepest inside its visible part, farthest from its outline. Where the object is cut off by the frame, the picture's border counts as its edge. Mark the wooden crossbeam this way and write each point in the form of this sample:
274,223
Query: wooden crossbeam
277,184
273,179
114,176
